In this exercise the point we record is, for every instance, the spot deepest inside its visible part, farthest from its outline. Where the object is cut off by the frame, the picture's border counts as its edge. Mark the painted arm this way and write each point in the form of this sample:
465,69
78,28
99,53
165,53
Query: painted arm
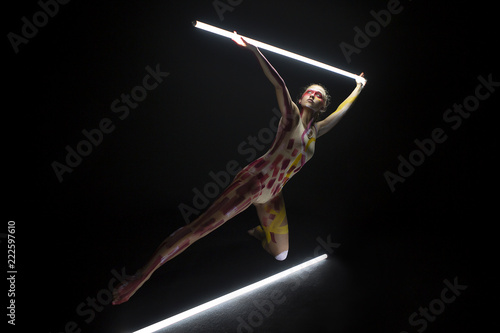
288,108
328,123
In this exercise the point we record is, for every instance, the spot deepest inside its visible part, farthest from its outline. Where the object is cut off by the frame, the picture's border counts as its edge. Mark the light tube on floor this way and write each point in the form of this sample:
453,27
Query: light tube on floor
228,34
200,308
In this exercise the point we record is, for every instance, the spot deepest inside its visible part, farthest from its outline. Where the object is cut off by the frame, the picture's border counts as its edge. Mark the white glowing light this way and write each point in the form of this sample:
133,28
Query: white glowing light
232,35
200,308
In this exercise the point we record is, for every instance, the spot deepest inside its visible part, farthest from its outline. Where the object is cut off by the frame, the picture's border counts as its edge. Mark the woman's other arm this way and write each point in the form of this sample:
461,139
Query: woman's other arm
328,123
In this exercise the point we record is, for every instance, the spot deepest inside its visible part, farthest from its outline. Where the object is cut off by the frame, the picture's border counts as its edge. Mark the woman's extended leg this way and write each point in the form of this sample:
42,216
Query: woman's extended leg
235,199
273,229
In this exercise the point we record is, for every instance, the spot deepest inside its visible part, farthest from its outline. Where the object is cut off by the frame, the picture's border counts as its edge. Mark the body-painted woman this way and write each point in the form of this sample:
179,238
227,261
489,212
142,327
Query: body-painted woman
260,183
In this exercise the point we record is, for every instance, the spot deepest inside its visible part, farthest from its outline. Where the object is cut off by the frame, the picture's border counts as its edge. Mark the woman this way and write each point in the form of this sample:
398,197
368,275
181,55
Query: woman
260,183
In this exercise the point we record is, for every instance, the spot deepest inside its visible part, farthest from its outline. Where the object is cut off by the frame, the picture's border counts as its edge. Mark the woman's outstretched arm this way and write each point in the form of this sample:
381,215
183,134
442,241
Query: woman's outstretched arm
288,108
328,123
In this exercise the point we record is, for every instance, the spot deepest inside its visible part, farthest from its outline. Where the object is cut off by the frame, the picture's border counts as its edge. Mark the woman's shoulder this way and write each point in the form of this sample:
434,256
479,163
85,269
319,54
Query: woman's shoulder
291,117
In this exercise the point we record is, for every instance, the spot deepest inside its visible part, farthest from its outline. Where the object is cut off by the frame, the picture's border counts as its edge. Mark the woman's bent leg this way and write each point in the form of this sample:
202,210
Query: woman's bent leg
236,198
273,229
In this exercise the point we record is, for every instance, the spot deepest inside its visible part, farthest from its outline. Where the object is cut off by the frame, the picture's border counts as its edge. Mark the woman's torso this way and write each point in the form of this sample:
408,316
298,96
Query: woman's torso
293,146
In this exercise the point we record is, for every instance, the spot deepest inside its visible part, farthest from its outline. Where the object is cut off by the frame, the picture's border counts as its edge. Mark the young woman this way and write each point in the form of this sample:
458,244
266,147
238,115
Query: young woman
259,183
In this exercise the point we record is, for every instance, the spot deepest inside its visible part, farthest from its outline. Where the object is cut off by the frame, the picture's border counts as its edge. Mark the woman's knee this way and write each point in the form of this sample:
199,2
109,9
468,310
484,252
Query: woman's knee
278,250
281,256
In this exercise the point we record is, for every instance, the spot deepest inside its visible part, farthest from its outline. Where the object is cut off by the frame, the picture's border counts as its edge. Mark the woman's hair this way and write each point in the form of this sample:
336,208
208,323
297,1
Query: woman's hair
327,97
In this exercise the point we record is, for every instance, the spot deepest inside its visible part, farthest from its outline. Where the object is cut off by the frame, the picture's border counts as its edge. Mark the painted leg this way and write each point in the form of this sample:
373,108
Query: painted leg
172,246
236,198
273,229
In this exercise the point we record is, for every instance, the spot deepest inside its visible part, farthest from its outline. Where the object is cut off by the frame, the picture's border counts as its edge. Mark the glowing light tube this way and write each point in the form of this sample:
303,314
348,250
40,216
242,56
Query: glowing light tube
228,34
200,308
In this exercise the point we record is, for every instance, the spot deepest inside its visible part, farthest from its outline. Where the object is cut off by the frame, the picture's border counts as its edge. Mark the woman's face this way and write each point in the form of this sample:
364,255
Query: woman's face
313,98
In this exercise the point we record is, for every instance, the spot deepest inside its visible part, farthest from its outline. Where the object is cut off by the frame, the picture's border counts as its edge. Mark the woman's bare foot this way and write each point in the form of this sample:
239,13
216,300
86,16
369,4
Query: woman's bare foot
257,232
126,289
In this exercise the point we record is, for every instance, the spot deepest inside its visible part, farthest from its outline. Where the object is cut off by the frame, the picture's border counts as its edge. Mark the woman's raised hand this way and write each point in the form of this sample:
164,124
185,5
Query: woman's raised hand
240,41
361,80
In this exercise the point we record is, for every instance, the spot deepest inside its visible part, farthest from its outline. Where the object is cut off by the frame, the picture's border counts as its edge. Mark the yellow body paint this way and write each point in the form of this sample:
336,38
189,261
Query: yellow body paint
296,161
347,101
275,226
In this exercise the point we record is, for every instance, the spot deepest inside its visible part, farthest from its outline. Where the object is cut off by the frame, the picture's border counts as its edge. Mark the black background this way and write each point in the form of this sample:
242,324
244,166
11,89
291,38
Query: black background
122,200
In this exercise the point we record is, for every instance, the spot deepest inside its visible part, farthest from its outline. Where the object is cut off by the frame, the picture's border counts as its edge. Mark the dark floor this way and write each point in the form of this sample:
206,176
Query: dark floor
375,279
